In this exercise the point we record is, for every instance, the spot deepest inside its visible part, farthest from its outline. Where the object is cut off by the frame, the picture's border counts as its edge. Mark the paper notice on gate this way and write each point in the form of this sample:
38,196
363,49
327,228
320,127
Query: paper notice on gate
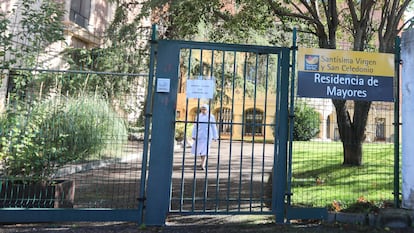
200,89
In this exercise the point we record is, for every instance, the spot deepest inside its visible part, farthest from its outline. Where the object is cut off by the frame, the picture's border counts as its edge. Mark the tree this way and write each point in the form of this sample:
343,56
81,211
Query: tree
361,23
38,25
366,22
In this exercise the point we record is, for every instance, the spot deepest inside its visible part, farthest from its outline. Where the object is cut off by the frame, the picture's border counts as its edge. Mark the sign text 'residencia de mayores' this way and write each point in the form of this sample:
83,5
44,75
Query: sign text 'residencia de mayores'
336,79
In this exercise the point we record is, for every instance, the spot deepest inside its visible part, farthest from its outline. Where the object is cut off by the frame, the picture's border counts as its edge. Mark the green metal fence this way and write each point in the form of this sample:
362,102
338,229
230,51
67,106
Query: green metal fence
320,179
88,128
71,140
318,176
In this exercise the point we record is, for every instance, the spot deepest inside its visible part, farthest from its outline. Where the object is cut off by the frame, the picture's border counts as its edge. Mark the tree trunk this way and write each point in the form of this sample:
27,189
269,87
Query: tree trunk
352,131
352,154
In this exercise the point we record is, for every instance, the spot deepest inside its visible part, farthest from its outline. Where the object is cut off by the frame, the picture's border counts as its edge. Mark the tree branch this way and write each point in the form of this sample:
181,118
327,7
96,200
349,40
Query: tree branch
352,11
280,13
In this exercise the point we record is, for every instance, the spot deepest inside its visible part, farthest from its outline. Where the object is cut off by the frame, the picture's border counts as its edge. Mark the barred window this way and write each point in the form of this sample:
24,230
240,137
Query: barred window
254,122
224,117
379,129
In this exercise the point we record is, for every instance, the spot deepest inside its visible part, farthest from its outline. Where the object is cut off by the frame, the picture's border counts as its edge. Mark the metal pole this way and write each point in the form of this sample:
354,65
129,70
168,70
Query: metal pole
280,164
397,123
148,116
291,117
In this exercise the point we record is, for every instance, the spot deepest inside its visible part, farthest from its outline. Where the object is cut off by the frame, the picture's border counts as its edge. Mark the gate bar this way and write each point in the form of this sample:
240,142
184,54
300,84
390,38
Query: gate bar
9,215
148,115
280,164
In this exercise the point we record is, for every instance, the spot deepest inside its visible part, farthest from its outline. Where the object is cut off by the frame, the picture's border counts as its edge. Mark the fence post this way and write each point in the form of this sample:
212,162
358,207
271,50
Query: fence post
162,134
291,117
280,164
397,123
148,112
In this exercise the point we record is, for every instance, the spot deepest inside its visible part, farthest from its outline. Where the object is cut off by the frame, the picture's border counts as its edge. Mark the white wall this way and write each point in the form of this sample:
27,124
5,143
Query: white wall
407,88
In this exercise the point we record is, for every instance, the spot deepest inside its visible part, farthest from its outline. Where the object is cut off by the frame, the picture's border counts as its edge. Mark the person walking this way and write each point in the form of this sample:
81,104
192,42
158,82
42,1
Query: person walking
203,133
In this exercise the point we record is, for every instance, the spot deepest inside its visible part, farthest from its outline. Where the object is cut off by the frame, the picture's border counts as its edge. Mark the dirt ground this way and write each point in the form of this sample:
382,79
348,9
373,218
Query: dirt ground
195,228
201,224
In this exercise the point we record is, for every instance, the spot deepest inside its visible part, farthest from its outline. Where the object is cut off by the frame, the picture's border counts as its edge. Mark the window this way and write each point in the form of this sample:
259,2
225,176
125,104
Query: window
225,120
80,11
328,127
379,129
254,122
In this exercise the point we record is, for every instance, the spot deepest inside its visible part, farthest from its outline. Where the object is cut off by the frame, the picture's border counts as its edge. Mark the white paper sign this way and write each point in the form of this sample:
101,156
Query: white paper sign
200,89
163,85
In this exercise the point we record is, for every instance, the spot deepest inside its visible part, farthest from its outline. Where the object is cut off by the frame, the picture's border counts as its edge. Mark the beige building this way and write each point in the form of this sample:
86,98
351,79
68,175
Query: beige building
85,22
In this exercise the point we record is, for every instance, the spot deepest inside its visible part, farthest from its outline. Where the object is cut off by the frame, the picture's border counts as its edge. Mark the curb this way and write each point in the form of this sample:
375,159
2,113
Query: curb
392,218
75,168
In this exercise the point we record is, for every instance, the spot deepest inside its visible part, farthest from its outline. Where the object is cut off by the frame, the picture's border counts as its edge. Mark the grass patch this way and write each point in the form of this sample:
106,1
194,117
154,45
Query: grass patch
320,179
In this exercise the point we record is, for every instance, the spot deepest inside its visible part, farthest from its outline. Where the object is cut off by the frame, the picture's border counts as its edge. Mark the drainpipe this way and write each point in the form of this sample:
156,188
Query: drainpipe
407,88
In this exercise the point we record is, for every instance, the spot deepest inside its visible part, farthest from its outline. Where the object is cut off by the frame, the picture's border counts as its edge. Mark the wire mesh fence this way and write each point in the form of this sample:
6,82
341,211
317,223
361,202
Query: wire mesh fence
319,176
81,127
86,127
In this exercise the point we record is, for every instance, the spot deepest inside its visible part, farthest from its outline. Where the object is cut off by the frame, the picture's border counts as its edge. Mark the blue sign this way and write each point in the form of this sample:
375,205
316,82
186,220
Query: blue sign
347,75
346,87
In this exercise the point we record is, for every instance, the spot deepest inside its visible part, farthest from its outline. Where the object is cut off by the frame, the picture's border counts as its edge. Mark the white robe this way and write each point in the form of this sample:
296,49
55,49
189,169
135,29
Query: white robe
203,134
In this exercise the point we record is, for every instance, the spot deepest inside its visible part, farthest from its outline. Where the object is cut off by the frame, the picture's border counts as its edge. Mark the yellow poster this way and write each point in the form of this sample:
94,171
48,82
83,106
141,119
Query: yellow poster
345,62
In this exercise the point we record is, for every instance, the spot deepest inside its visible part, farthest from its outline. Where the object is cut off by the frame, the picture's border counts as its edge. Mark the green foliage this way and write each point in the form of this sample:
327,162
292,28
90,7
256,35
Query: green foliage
89,124
183,130
179,131
5,37
126,49
100,60
117,59
40,25
244,21
23,148
37,140
307,122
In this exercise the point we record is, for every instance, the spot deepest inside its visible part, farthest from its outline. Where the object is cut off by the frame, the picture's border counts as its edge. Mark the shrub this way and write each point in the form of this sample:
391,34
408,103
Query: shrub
37,141
89,126
183,131
306,124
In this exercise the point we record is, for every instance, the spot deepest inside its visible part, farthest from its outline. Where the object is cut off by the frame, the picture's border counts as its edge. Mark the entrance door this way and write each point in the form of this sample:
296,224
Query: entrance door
245,90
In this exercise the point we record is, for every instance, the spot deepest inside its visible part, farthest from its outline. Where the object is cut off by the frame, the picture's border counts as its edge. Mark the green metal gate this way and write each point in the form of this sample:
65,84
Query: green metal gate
250,103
